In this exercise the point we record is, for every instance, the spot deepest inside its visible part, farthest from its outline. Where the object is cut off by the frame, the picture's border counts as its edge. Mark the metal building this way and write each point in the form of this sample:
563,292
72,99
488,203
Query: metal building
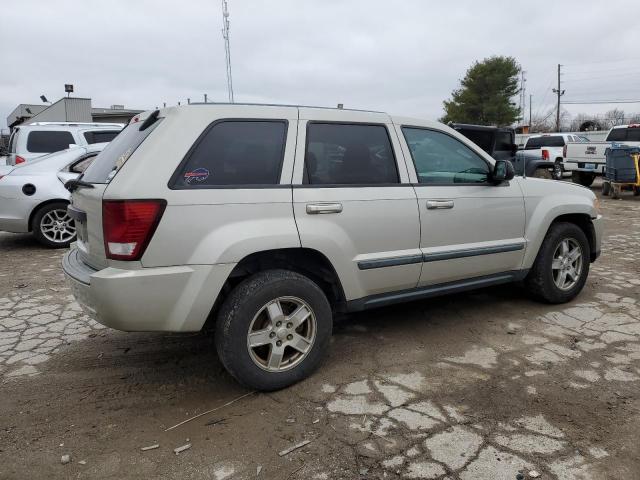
69,109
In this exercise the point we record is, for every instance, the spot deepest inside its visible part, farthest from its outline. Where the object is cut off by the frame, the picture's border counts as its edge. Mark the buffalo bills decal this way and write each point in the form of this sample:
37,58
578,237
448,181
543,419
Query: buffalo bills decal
196,176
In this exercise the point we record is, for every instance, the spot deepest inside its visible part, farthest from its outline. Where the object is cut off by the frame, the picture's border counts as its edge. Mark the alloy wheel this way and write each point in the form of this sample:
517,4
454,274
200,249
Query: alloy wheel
281,334
567,264
57,226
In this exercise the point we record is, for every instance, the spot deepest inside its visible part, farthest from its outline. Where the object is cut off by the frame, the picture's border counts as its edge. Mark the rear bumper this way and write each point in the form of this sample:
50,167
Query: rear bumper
573,166
170,299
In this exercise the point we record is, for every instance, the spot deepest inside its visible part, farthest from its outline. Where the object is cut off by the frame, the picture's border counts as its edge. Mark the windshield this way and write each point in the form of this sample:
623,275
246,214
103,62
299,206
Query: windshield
544,141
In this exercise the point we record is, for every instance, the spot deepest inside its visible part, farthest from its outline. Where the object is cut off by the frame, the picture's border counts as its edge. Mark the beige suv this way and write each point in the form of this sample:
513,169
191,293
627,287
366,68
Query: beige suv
267,220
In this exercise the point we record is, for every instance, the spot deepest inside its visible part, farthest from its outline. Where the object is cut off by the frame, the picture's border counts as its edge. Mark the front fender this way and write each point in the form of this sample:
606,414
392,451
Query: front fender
545,201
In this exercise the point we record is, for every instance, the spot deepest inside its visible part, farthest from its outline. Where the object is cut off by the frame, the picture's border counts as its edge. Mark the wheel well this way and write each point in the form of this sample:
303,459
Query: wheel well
305,261
584,222
43,204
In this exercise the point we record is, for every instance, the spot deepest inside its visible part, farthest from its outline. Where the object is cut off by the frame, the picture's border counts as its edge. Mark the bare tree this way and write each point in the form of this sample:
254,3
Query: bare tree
613,117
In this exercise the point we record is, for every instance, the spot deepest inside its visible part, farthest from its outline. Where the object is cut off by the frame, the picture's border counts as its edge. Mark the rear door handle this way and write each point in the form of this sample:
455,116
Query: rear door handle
318,208
439,204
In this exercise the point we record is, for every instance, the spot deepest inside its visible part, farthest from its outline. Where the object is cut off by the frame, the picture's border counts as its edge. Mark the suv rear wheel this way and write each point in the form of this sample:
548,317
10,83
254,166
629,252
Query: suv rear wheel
562,265
53,227
273,329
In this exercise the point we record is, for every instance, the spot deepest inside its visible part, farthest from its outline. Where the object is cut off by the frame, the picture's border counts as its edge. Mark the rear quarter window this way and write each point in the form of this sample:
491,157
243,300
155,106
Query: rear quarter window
48,141
234,152
114,155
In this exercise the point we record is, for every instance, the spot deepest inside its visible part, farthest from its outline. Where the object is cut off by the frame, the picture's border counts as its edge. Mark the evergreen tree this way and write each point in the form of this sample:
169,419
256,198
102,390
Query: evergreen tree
485,94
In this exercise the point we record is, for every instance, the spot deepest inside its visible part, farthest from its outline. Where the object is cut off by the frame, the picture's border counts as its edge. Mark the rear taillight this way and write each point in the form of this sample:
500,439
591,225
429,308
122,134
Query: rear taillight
564,151
128,226
19,159
545,154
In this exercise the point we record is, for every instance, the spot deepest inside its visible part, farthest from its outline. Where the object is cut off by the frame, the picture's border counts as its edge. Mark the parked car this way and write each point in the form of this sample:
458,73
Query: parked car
550,146
499,142
33,197
588,160
28,142
267,220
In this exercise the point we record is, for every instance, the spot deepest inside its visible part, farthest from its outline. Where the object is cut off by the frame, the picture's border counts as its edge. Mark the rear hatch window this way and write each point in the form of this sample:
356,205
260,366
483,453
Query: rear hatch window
100,136
49,141
546,141
117,152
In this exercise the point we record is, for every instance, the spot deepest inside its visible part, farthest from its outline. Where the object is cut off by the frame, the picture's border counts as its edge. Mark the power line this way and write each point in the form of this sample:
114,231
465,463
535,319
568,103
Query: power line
626,60
597,102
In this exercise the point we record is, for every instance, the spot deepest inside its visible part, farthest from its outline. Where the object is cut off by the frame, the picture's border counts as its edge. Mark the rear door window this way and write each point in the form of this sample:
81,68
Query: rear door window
100,136
44,141
117,152
349,154
234,152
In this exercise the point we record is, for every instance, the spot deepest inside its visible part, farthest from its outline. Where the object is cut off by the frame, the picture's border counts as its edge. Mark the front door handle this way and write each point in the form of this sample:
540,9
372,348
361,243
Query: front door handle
318,208
439,204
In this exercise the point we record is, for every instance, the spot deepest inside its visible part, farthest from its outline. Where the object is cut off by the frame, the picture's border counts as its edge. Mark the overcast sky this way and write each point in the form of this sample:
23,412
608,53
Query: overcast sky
404,57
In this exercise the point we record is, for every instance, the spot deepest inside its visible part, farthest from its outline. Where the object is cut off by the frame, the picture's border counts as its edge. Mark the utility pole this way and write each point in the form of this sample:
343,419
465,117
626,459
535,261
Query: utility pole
559,93
523,97
227,50
530,108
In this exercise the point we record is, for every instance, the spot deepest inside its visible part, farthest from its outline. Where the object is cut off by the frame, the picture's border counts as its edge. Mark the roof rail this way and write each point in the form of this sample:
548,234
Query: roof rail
77,124
280,105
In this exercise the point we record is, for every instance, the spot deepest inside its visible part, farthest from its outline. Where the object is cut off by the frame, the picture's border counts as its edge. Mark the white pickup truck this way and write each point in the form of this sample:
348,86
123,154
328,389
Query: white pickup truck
550,147
588,160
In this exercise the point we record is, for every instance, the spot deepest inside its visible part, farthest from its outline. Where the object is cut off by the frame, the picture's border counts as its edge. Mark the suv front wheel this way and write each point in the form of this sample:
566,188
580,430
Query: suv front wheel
273,329
562,265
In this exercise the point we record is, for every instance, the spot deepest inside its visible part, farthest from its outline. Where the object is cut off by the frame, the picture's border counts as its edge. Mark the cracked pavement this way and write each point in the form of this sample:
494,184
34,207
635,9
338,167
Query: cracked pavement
483,385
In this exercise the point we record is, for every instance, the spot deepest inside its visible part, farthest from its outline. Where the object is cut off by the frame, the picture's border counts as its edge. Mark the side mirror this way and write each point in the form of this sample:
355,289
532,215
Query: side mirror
502,171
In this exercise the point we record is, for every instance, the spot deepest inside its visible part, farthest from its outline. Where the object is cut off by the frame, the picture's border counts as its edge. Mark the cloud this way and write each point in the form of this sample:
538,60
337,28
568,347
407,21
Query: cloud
404,57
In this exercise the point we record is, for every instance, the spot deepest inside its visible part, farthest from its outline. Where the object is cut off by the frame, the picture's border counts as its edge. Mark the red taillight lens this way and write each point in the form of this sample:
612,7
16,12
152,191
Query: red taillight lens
19,159
128,226
545,154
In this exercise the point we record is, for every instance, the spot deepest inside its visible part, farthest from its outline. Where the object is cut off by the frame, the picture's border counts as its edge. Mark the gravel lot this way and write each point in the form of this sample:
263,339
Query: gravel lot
475,386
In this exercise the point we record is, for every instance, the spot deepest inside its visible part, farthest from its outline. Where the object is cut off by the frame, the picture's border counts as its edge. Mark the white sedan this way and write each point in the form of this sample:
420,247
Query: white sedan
33,197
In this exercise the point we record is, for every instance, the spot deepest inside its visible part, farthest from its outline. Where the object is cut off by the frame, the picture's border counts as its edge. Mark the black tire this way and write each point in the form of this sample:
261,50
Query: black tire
539,282
542,173
606,188
37,225
558,170
583,178
244,303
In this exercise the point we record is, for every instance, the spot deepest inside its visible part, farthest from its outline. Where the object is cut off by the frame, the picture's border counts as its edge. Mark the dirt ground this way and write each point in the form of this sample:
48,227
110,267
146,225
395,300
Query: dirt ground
484,385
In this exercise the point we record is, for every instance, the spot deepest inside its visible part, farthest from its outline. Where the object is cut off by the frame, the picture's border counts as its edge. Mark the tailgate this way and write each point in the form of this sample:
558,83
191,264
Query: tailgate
86,201
587,152
86,209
